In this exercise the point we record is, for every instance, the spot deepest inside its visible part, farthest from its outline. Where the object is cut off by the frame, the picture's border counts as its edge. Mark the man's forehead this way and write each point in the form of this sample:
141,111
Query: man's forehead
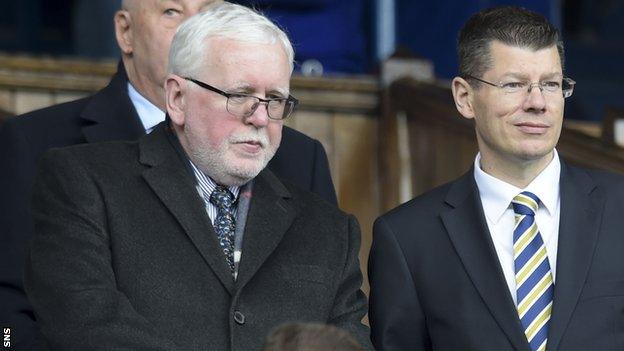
220,50
247,66
499,46
519,58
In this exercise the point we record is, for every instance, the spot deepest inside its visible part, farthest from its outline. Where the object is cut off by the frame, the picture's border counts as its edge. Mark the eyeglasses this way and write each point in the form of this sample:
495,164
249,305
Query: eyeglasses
242,105
564,86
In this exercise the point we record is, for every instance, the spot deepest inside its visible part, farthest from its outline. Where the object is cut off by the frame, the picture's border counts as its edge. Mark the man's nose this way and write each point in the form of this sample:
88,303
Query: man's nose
260,115
535,99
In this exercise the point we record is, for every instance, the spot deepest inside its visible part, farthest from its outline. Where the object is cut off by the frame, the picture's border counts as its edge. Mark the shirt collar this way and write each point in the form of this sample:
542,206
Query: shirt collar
149,114
207,185
496,195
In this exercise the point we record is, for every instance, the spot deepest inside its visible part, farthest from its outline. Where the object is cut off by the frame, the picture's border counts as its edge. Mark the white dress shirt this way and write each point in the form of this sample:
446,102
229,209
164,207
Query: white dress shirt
149,114
496,196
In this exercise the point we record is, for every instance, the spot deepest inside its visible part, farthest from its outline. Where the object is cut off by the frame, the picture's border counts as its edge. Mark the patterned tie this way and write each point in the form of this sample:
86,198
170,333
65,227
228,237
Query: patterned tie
225,224
534,282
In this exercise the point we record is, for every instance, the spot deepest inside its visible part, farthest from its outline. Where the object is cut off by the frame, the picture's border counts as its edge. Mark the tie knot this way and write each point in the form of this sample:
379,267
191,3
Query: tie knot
525,203
222,197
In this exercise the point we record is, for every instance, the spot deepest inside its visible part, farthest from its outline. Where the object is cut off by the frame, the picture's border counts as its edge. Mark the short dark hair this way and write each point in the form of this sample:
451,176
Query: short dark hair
310,337
514,26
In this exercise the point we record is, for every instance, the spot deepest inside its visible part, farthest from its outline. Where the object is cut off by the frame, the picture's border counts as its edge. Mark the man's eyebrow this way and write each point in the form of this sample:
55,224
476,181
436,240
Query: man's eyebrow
241,87
279,91
248,89
517,75
524,76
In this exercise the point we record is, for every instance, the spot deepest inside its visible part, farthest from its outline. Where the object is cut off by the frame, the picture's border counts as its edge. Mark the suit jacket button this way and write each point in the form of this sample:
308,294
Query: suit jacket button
239,317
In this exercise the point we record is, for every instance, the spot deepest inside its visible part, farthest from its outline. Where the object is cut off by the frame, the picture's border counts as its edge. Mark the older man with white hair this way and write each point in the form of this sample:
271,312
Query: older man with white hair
130,106
184,239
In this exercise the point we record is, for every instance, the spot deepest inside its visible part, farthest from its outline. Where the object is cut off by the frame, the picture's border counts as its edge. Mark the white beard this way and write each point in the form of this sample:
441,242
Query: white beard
222,164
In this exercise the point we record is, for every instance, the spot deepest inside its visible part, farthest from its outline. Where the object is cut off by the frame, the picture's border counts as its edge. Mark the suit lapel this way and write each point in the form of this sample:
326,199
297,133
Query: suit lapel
174,186
468,231
110,115
270,215
581,215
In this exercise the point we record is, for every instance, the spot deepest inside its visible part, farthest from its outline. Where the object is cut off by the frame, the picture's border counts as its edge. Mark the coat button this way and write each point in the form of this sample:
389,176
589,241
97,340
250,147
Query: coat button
239,317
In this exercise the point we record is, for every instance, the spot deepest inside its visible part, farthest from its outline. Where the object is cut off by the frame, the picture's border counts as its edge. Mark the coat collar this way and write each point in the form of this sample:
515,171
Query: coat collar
466,227
270,213
110,115
582,204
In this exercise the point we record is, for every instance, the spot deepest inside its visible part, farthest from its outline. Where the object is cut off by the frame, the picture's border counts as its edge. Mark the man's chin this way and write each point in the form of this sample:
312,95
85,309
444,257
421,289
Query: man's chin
242,173
535,155
234,180
236,168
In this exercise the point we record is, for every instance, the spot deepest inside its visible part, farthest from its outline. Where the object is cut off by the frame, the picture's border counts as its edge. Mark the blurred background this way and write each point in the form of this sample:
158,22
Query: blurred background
352,37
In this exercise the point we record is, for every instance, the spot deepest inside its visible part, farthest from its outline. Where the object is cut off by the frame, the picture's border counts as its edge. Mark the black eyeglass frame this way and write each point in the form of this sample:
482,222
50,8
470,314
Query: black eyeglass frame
290,99
567,92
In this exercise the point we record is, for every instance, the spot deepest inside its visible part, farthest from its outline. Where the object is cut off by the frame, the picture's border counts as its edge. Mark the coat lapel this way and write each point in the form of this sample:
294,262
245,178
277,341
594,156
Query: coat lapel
110,115
270,215
468,231
168,177
581,215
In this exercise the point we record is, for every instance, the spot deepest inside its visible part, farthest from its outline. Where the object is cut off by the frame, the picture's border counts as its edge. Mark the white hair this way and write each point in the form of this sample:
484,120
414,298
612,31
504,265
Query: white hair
189,47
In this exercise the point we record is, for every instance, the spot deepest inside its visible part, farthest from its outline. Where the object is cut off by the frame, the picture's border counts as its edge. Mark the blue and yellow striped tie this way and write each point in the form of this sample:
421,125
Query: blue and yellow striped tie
534,281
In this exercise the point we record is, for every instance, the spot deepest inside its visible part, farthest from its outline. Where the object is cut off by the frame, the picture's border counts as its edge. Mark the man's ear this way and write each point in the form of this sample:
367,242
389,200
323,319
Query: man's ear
463,94
123,31
175,90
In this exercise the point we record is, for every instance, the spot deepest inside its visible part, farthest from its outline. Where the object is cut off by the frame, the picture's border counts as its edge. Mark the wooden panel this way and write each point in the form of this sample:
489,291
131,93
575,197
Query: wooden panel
389,165
26,101
345,101
356,150
67,96
7,101
441,142
583,150
318,125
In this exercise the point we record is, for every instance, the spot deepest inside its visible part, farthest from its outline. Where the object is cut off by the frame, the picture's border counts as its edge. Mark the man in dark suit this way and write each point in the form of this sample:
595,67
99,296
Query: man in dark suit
184,240
131,105
523,252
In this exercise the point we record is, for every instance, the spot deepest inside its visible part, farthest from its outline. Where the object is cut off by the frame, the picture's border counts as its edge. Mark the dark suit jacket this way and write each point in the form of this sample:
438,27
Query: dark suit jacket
125,257
436,283
107,115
